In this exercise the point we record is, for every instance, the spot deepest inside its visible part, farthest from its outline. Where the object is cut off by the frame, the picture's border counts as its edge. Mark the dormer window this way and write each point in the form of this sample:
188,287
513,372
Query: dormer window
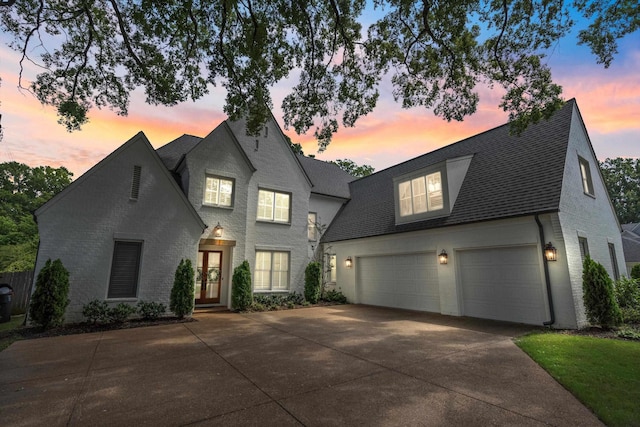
421,195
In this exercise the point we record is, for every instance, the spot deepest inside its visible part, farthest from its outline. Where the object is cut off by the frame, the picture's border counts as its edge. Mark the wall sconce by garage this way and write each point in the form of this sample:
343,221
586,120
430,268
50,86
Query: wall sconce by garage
443,258
348,262
217,231
550,253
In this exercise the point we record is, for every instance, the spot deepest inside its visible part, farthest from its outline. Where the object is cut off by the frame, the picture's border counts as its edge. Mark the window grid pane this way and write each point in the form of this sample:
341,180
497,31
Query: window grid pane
406,207
225,193
265,205
419,195
282,207
262,271
434,186
211,191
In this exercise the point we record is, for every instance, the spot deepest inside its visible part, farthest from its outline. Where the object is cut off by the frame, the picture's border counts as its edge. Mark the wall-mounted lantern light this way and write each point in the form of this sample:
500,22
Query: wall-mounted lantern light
550,253
217,231
348,262
443,258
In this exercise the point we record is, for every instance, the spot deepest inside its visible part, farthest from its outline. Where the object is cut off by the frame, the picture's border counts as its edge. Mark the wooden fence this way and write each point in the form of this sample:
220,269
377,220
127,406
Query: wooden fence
21,284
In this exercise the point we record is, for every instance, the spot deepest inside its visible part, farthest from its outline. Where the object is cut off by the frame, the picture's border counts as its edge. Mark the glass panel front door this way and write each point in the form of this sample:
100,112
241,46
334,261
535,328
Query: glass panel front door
208,277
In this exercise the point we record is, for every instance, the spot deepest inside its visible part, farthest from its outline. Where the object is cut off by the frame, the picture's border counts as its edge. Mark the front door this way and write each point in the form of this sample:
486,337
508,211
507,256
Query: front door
209,277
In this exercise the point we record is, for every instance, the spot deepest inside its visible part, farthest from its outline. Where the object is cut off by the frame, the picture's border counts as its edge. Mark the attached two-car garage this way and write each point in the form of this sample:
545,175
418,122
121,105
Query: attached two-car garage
493,283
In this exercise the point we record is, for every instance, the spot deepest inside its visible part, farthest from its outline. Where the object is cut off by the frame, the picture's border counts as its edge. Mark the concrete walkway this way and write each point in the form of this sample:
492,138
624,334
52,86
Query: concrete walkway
341,365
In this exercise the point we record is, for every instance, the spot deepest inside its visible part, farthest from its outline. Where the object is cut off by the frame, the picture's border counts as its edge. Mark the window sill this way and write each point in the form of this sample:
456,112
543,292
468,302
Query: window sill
266,291
590,195
125,299
264,221
206,205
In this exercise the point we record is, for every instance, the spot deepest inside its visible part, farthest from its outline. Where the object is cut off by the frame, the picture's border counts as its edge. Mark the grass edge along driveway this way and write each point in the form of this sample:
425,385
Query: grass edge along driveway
604,374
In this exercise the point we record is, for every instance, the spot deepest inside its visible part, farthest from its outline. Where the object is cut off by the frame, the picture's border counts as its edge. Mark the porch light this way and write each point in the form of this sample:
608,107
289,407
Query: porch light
348,262
443,258
217,231
550,253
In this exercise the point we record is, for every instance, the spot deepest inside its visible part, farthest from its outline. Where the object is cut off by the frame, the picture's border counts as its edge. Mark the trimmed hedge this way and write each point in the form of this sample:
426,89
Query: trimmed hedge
50,299
241,294
598,295
312,282
182,292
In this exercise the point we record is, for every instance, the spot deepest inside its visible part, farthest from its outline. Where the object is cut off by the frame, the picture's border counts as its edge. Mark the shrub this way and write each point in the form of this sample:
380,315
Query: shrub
635,271
121,312
49,301
312,282
182,292
151,310
96,311
266,302
627,292
241,295
334,296
599,300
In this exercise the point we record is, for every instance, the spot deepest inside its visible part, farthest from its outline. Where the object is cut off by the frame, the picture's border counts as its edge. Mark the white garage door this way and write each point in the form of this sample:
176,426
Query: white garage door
502,284
400,281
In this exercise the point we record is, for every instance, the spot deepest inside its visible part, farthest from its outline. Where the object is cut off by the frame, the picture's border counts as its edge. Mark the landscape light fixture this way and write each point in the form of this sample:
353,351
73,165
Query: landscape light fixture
443,258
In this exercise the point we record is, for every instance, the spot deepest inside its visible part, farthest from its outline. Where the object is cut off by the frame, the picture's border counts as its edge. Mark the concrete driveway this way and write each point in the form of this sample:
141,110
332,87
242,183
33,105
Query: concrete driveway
341,365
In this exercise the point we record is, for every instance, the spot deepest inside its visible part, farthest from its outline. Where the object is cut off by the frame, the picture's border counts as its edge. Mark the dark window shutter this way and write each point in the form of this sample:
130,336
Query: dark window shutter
124,270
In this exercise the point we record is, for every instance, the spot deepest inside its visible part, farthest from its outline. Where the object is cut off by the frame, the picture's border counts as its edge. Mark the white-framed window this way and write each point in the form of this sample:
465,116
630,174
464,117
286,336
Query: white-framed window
271,271
274,206
421,195
331,270
218,191
585,173
312,229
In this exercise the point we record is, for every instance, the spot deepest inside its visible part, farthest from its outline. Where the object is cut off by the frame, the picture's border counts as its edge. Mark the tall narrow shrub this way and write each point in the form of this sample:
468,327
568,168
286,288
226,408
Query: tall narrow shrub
312,282
599,300
50,299
241,295
182,292
635,271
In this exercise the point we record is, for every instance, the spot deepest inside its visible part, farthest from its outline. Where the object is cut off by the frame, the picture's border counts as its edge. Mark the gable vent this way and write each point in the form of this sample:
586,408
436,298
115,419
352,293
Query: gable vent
135,183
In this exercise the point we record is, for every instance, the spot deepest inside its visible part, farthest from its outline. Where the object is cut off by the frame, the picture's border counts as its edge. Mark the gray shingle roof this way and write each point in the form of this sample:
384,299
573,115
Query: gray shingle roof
508,176
327,178
631,249
631,242
172,152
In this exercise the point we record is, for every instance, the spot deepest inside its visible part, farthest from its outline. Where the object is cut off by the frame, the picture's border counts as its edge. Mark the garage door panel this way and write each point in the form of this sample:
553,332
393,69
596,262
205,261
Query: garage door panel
502,284
400,281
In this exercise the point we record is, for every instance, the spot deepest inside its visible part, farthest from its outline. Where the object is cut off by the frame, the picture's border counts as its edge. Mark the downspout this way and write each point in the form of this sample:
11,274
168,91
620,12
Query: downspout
546,275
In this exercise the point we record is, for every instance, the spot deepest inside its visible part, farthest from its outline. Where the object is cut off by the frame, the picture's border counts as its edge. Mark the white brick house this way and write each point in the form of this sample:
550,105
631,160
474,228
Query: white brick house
490,202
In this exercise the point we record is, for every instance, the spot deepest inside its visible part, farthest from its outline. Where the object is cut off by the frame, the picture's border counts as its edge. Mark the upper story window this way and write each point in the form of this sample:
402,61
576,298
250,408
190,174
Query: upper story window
218,191
585,173
421,195
312,229
274,206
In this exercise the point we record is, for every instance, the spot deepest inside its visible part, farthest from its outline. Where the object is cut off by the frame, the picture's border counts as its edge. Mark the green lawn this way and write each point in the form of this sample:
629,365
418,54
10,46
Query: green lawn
604,374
